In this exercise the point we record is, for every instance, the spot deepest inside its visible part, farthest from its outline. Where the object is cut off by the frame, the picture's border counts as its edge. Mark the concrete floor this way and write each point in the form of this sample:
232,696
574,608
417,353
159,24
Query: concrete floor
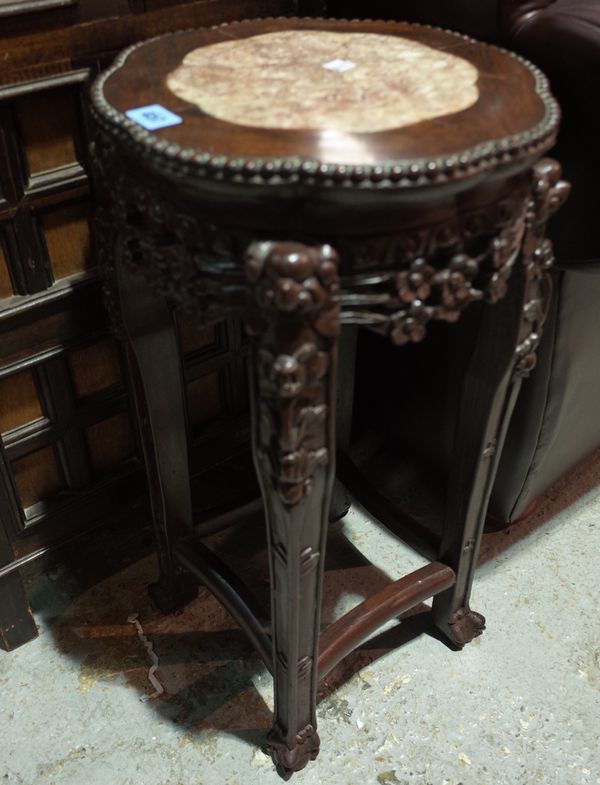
519,705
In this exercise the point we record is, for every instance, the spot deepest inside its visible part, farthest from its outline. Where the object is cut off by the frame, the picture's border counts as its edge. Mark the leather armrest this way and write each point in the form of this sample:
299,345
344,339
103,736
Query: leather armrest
514,14
563,39
583,266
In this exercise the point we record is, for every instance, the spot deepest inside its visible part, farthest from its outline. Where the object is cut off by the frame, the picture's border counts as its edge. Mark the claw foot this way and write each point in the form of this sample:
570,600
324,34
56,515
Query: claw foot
287,760
464,625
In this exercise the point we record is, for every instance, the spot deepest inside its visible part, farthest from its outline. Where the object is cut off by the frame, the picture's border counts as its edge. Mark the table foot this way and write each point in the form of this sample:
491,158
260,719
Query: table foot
464,625
340,502
288,761
169,594
159,393
294,325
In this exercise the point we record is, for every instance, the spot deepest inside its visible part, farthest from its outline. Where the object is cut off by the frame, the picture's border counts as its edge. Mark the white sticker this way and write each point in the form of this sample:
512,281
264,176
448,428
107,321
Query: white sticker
153,117
339,65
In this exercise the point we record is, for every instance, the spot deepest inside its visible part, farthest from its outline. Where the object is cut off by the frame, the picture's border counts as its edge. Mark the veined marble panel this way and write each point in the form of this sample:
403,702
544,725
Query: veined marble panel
318,80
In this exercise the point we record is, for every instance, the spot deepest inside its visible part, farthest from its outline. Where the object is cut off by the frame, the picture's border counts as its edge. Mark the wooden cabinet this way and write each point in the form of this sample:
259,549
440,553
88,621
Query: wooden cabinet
68,452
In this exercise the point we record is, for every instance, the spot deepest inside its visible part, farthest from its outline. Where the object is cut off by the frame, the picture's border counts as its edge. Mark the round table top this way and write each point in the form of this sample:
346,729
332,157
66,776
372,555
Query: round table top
370,104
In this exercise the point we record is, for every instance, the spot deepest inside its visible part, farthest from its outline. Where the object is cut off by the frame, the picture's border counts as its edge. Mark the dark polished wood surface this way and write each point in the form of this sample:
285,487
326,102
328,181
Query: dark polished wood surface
219,218
508,104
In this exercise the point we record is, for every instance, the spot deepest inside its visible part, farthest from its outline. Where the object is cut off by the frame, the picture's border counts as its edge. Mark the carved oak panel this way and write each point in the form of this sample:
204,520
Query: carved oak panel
49,291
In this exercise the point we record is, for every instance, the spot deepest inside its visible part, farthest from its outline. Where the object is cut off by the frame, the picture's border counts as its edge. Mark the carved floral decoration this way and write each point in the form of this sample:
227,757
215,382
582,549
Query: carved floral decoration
448,267
435,271
549,192
294,313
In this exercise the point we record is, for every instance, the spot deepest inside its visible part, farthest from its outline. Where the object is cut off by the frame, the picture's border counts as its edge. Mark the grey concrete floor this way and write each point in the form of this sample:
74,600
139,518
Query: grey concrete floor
519,705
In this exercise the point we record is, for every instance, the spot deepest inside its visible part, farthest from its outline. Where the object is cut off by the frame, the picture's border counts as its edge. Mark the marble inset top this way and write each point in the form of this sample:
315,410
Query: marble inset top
320,80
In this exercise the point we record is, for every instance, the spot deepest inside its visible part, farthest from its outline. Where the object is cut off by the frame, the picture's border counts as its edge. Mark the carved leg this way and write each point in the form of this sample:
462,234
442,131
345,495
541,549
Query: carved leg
341,501
293,316
158,391
505,353
484,412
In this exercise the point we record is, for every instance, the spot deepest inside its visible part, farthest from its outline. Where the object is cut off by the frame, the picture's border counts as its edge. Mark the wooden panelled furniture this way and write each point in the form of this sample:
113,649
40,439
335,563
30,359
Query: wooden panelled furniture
306,175
68,452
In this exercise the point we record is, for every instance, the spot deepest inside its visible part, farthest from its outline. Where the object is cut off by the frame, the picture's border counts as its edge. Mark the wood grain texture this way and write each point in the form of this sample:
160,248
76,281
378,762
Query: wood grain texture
344,635
50,321
37,477
67,237
6,287
507,110
94,367
24,50
110,442
19,401
47,124
48,51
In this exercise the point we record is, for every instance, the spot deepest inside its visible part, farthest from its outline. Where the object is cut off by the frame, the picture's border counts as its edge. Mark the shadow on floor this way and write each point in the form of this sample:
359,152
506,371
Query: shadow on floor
212,678
568,491
213,681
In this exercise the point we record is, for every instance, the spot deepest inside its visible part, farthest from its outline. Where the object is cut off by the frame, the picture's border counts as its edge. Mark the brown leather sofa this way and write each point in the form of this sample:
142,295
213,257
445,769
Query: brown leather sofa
557,419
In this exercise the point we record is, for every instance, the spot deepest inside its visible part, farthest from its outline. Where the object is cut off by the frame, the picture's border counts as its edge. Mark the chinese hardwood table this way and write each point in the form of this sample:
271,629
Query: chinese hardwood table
305,175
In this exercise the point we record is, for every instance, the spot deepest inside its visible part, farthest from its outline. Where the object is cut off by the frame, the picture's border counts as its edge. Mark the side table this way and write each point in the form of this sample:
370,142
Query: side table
304,175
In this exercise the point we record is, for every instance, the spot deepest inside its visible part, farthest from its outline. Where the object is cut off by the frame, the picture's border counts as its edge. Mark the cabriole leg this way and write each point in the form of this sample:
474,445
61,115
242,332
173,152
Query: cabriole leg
158,388
293,316
341,500
485,409
505,353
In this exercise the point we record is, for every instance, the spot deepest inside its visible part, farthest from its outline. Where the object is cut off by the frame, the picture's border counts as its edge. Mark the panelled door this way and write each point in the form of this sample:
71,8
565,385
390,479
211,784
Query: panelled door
69,457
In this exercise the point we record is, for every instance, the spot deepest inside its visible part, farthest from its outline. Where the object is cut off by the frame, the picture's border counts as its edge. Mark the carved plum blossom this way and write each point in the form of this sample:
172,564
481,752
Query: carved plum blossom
293,314
290,276
287,375
543,255
410,325
293,311
498,284
415,283
504,252
549,192
456,285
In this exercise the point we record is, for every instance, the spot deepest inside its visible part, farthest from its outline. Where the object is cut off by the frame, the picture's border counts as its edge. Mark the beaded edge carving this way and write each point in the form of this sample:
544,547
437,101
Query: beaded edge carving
171,158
